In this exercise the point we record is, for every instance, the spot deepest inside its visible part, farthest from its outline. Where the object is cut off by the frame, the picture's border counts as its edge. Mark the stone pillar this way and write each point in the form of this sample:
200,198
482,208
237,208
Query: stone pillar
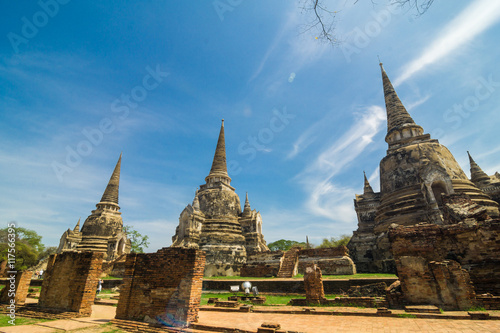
21,283
70,281
313,284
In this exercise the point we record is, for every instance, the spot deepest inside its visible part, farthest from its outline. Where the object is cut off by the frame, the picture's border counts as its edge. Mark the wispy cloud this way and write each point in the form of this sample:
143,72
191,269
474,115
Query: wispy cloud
327,198
474,19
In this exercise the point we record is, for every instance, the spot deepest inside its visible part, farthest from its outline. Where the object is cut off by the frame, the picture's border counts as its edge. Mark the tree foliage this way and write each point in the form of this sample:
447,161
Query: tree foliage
335,241
137,240
285,245
28,246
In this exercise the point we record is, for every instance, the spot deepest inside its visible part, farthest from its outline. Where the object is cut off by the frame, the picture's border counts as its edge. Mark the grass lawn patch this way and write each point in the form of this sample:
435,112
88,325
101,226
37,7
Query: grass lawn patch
4,321
301,276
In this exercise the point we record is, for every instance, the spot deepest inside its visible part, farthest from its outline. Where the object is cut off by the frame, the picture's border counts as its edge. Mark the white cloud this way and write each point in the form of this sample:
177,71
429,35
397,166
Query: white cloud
473,20
326,198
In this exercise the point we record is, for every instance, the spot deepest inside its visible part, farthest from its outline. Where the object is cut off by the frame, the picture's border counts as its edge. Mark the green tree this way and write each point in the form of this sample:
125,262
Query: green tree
284,245
335,241
137,240
47,252
28,246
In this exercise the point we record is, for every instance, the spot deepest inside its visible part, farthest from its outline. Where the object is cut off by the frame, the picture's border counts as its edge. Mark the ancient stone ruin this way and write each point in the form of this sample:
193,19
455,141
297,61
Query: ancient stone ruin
102,231
20,282
313,284
163,287
70,282
215,223
415,175
331,261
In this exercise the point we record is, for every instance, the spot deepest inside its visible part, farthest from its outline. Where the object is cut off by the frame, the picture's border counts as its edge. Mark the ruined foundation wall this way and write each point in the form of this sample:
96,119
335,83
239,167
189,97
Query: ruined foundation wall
163,287
331,261
70,281
475,246
22,282
263,264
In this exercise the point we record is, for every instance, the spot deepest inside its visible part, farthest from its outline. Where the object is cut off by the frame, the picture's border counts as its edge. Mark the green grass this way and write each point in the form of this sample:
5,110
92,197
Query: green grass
300,276
270,299
354,276
406,315
107,291
477,308
4,321
112,278
243,278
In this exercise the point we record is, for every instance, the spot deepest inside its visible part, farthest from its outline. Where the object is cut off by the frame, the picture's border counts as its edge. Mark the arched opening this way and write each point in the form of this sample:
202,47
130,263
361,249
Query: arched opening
439,189
121,246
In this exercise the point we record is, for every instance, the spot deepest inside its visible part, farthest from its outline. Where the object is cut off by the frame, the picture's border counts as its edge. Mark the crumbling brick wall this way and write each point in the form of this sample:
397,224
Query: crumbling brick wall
313,284
163,287
332,261
262,264
474,245
21,283
70,281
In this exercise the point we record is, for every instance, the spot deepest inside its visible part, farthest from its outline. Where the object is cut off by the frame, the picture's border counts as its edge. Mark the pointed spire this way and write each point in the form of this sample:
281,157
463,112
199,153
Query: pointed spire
397,116
77,226
219,167
476,173
111,192
368,189
247,209
196,202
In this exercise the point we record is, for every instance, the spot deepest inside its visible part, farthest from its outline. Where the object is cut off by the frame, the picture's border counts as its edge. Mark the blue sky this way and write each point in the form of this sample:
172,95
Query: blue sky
83,81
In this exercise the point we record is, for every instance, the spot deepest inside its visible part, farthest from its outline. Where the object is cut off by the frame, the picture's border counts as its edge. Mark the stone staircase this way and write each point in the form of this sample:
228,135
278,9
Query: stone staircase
290,262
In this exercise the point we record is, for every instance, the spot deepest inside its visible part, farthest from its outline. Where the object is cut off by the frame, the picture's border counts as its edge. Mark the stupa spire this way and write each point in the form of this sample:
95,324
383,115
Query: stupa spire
111,193
368,188
196,202
398,119
247,209
219,167
77,226
476,173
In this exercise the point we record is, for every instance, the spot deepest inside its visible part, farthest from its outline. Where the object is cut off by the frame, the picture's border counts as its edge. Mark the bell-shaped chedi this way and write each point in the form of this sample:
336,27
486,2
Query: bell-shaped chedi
102,231
215,222
414,175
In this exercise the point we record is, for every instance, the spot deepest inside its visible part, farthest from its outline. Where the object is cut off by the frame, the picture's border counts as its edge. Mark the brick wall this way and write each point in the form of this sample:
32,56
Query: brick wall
474,245
262,264
70,281
22,284
163,287
339,251
331,261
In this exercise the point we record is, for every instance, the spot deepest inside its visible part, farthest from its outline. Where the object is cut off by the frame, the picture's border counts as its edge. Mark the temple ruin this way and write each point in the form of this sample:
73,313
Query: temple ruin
415,176
102,231
215,223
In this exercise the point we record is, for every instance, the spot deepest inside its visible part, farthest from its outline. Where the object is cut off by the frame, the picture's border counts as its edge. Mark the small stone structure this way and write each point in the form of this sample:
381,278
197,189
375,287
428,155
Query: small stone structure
102,231
313,284
70,281
21,287
215,223
163,287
